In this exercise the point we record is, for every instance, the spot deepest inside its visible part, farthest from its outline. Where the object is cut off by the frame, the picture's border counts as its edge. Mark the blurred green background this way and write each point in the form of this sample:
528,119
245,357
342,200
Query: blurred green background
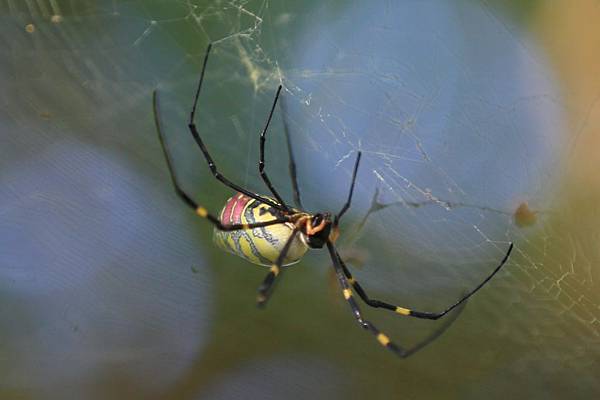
485,111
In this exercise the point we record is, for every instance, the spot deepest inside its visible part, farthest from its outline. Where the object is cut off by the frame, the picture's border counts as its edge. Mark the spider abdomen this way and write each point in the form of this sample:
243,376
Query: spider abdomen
259,245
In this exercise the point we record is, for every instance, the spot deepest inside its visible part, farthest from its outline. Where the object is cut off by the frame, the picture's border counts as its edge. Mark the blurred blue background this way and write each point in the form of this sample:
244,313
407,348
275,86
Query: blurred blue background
484,114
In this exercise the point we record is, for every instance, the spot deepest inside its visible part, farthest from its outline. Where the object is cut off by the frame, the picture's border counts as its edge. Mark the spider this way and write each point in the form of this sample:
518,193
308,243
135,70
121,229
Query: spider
266,231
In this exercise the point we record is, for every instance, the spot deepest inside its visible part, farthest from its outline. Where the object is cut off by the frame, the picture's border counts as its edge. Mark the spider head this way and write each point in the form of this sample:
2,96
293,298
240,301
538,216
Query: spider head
317,230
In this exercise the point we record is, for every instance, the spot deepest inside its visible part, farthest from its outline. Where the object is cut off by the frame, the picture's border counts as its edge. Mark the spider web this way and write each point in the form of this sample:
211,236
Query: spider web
473,136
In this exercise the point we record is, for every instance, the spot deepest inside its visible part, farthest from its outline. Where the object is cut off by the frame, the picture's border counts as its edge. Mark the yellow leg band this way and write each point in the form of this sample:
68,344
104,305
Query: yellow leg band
347,293
402,311
384,340
201,211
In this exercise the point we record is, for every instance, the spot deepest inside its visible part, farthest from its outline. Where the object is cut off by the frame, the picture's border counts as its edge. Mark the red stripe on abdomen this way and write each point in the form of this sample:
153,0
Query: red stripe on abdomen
232,212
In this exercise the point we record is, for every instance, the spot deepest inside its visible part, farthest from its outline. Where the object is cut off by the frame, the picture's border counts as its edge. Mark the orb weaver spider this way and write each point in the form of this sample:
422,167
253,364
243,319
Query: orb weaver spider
266,231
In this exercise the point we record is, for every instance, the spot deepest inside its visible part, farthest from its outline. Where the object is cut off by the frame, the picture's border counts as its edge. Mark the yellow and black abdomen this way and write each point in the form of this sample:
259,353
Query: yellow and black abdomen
259,245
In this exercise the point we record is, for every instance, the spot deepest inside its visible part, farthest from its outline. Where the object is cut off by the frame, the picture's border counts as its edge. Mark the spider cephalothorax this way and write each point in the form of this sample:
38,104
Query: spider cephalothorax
266,231
316,229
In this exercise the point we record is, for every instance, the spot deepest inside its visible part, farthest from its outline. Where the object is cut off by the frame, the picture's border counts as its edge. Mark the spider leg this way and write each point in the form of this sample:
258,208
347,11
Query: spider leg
292,160
265,289
209,160
382,338
349,200
408,312
199,210
261,161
